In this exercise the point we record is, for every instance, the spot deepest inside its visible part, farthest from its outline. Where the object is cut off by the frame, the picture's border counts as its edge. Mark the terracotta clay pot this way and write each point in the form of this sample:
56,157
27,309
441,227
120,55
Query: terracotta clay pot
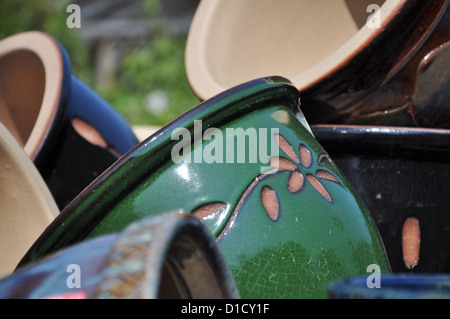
27,206
285,218
352,64
167,256
70,133
402,175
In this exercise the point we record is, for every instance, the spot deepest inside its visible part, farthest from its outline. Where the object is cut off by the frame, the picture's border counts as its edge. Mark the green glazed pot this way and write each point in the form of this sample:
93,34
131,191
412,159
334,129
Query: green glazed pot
246,163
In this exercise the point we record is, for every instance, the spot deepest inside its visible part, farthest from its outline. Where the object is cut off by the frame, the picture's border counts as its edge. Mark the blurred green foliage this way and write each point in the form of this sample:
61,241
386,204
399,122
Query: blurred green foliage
48,16
156,67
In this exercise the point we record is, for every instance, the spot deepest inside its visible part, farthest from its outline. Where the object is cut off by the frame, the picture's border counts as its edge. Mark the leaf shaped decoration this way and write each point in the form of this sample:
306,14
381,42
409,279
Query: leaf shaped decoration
208,209
269,199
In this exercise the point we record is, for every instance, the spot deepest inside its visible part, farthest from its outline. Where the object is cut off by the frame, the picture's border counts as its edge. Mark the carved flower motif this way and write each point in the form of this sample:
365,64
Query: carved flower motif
301,169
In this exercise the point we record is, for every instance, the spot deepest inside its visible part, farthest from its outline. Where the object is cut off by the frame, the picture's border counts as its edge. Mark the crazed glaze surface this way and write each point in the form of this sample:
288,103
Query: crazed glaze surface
320,232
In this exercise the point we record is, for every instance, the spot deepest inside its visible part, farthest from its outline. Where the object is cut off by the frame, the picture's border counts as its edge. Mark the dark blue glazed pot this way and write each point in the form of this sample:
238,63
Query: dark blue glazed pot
397,286
71,134
171,255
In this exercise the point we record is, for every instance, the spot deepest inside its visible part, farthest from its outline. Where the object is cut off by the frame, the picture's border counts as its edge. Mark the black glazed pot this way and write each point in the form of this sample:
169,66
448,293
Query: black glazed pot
171,255
402,175
71,134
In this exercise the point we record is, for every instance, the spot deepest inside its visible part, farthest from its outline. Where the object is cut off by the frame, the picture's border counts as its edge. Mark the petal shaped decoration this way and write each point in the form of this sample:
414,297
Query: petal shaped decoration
305,155
319,187
270,202
296,181
282,164
286,147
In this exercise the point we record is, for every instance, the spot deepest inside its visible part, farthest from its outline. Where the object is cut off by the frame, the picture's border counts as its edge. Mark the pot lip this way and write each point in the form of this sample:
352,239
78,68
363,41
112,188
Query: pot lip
87,208
38,198
49,52
204,85
384,140
171,228
378,129
9,143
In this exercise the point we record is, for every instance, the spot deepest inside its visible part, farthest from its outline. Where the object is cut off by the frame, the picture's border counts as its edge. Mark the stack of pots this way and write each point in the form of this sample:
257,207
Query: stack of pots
351,105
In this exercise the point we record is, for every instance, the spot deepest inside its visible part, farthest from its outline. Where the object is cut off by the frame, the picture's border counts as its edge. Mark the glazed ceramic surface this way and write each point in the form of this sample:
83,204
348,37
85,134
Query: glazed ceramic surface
352,64
284,233
171,255
407,86
92,138
394,287
27,206
400,173
70,133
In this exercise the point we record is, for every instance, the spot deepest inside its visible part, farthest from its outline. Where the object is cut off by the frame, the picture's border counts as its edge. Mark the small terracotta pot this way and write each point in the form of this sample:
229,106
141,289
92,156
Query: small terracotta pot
352,64
70,133
402,175
285,218
397,286
167,256
27,206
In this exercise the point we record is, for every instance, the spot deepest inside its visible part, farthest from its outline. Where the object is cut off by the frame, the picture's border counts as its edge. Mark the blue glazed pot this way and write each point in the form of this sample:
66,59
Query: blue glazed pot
70,133
397,286
171,255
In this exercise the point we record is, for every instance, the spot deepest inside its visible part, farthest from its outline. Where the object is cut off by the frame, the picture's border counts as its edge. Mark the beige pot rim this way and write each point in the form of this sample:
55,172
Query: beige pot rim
27,205
231,41
31,78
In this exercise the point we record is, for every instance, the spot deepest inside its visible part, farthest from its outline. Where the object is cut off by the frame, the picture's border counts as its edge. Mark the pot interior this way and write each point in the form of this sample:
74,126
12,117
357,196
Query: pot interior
22,84
231,42
188,273
31,82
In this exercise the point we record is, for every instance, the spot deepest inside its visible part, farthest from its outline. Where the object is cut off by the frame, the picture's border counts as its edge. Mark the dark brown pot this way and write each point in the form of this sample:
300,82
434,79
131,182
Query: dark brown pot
348,71
403,80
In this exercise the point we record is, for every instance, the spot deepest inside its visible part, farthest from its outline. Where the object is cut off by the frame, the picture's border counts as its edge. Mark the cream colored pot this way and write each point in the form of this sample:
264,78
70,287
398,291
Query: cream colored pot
306,41
27,206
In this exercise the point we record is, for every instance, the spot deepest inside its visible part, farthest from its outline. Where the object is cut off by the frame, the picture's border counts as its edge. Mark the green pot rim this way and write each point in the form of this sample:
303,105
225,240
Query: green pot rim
86,210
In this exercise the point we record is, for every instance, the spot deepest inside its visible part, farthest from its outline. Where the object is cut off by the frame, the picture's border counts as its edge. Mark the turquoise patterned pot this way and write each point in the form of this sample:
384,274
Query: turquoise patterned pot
171,255
246,163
